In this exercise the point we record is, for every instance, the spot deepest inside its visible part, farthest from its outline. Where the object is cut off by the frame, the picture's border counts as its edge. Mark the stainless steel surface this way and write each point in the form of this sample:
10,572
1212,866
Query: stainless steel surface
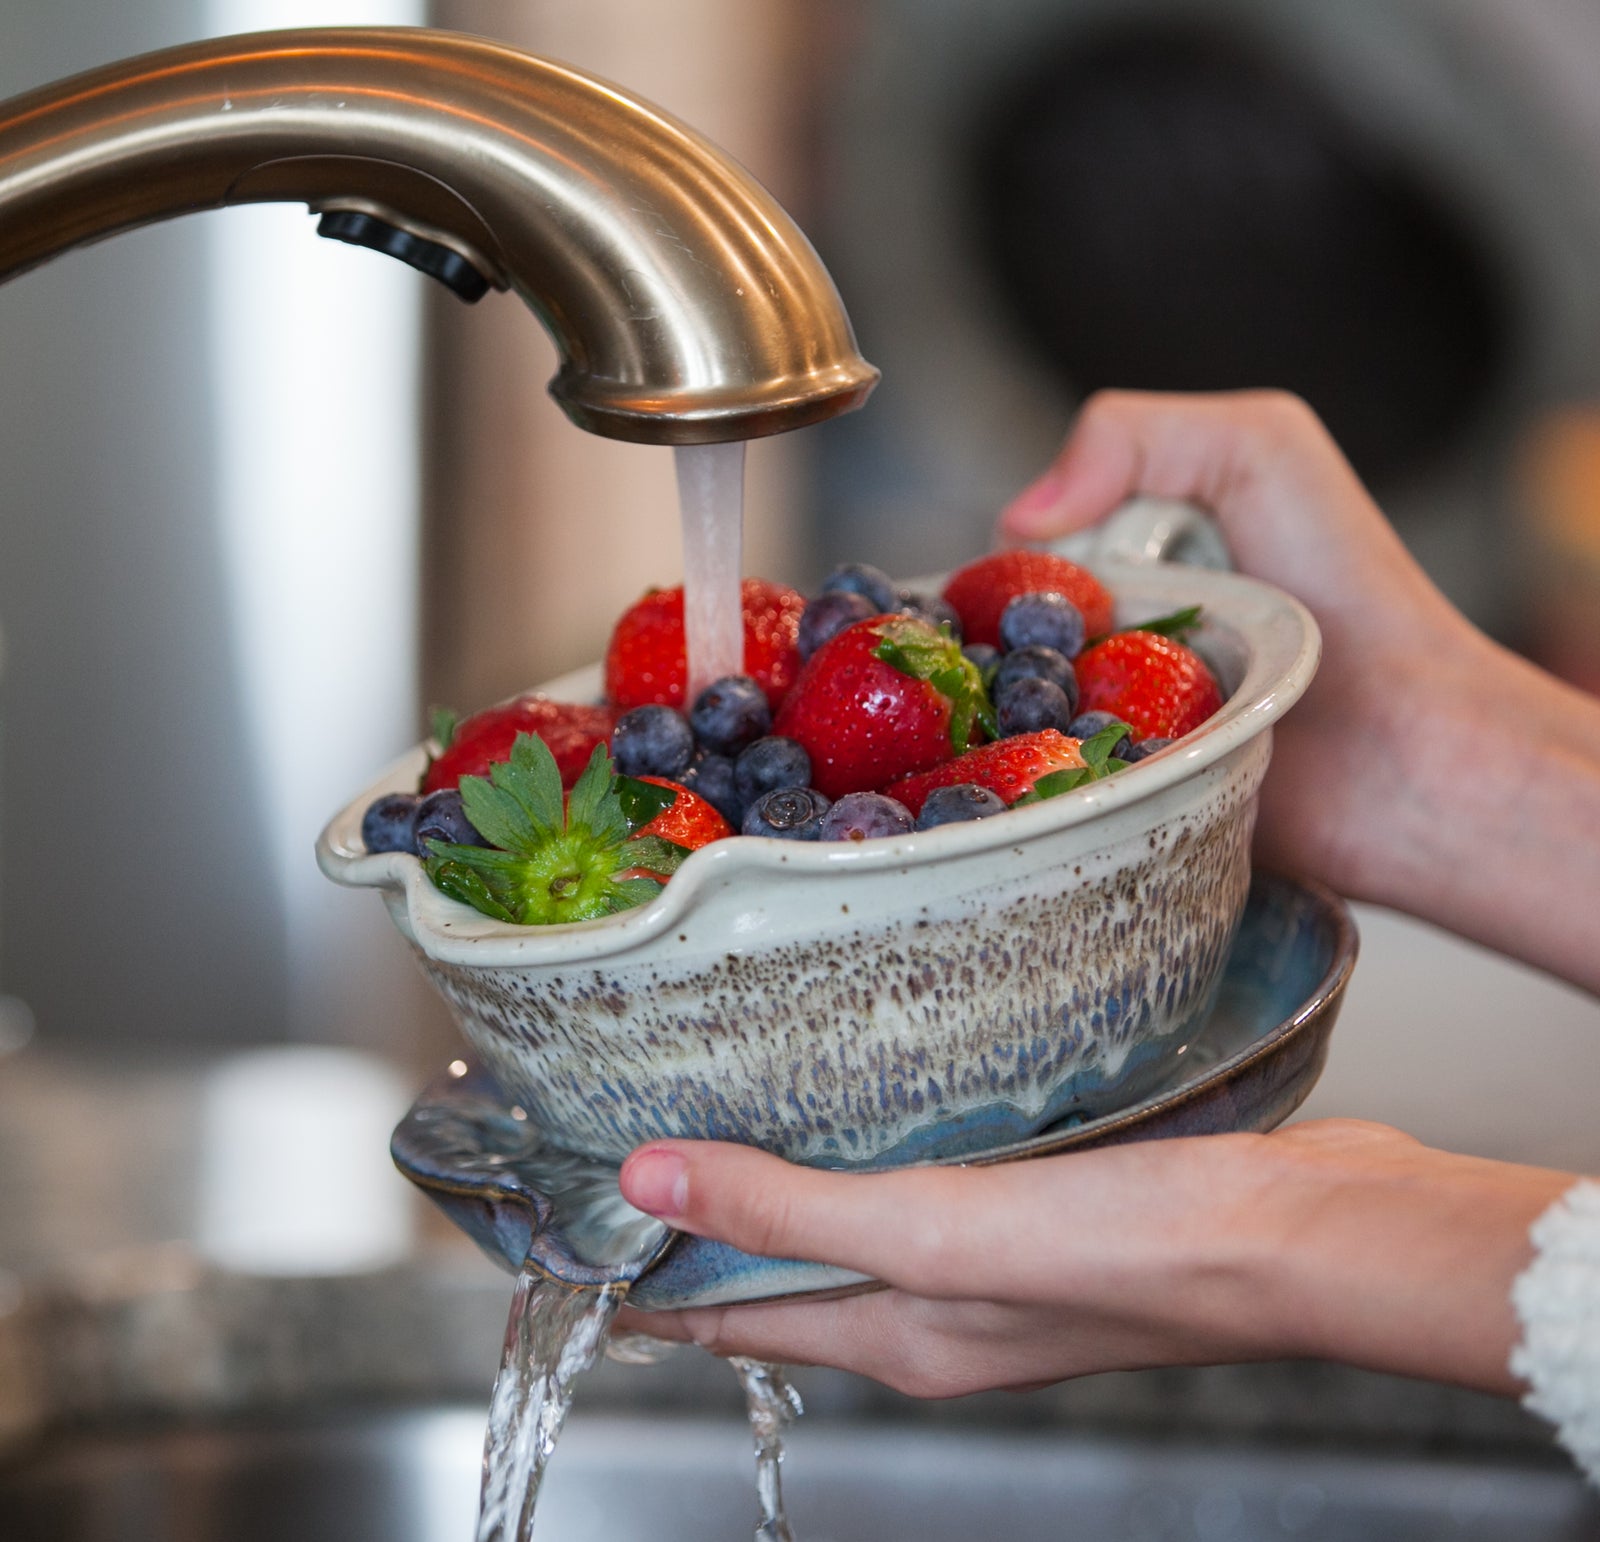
411,1476
149,1398
145,1394
686,305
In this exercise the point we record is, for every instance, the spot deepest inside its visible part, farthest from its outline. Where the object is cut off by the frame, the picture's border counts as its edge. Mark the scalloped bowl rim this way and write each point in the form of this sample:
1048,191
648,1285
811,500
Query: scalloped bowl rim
1285,647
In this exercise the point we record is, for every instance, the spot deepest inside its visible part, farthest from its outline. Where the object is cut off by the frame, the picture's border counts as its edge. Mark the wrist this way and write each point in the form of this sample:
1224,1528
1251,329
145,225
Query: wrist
1495,819
1398,1258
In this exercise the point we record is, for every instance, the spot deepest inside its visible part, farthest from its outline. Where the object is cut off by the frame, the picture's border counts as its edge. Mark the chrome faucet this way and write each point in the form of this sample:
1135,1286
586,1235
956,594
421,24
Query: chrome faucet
686,305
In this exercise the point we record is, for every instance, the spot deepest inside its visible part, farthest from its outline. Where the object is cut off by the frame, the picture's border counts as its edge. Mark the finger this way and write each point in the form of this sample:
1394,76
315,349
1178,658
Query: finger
1228,451
784,1333
1114,1213
929,1349
668,1326
1289,503
1100,465
763,1205
917,1227
1128,443
849,1333
892,1338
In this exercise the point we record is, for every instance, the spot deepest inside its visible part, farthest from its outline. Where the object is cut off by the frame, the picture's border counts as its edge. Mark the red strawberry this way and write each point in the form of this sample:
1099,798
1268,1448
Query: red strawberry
982,589
1008,768
570,729
646,659
691,822
885,697
1160,688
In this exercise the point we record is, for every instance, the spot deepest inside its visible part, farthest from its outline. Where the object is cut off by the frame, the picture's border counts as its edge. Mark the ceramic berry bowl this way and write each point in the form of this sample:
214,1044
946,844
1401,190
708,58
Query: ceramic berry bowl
884,1001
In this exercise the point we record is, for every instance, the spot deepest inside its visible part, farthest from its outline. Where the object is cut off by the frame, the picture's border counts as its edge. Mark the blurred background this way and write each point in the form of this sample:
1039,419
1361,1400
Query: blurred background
267,498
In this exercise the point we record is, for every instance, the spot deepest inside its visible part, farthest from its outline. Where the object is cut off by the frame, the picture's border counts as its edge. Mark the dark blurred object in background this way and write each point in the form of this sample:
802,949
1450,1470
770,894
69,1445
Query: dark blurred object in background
1166,206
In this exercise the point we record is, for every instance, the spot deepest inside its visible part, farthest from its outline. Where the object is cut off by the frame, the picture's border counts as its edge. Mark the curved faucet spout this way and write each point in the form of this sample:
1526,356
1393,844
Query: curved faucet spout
686,305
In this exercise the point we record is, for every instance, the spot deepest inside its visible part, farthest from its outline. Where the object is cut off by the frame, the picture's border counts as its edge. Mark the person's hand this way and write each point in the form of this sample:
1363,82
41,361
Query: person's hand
1426,768
1332,1239
1294,513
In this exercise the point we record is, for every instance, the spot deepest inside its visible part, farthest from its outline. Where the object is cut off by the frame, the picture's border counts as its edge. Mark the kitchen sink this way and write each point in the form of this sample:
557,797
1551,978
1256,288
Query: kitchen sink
410,1475
148,1395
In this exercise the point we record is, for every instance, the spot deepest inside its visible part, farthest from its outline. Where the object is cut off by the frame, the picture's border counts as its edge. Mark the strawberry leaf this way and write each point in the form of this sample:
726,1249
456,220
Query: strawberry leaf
629,892
593,803
460,882
553,859
532,777
443,726
1098,764
643,801
520,806
482,859
924,652
1096,750
655,855
983,711
1054,783
1177,626
499,816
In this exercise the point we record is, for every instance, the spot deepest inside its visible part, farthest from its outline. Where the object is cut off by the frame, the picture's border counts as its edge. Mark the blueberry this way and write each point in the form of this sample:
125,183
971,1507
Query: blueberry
440,817
652,741
1045,663
984,655
1042,621
863,578
932,608
1029,705
729,714
863,816
1087,724
390,822
711,777
966,800
832,611
1143,748
769,764
790,813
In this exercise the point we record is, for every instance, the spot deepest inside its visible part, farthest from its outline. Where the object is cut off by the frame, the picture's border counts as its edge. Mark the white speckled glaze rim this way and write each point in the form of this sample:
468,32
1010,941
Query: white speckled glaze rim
1265,638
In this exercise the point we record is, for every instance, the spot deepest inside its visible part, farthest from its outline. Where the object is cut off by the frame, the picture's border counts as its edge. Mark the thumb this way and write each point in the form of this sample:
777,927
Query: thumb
1097,467
1227,451
1290,506
761,1204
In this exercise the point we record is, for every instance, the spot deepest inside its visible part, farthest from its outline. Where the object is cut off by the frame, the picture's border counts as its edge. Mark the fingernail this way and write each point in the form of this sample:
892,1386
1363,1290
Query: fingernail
1034,500
657,1183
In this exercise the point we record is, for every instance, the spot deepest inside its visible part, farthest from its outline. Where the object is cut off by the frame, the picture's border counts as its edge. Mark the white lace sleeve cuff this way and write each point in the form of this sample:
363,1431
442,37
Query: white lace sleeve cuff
1557,1301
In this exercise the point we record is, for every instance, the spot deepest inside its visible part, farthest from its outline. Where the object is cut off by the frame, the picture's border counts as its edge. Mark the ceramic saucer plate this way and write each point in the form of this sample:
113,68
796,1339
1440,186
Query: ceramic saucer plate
1248,1067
